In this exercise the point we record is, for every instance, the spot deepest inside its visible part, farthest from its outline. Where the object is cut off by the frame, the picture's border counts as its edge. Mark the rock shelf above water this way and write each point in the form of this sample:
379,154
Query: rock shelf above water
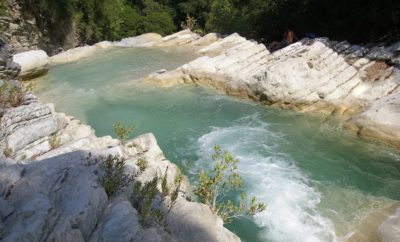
310,75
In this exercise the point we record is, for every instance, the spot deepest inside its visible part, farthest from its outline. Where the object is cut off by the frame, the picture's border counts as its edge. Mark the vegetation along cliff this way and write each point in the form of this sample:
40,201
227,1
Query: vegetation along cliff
50,24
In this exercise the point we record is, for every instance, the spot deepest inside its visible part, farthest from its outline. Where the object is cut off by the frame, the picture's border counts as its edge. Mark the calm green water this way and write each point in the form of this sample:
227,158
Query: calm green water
318,182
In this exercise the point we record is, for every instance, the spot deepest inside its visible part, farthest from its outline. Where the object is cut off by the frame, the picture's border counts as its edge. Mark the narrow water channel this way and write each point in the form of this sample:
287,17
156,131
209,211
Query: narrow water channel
317,181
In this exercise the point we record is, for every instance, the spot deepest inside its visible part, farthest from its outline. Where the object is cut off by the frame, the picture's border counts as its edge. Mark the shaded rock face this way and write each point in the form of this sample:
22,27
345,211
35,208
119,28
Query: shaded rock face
23,32
20,29
334,78
9,70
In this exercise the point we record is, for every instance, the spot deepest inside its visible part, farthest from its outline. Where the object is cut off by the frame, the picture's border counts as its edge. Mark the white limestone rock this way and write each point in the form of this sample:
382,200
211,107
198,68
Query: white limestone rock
183,37
201,225
121,223
25,125
73,55
104,45
57,199
33,63
309,75
140,41
380,120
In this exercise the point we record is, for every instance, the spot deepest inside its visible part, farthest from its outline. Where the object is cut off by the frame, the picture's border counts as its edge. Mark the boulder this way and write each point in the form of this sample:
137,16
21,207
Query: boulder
33,63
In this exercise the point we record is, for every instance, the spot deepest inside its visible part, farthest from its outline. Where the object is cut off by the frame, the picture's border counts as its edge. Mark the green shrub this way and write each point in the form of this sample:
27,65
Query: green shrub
144,198
113,177
11,96
221,180
122,132
176,188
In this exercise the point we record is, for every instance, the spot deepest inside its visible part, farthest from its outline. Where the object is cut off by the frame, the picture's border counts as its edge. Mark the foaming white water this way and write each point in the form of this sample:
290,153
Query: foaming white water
274,178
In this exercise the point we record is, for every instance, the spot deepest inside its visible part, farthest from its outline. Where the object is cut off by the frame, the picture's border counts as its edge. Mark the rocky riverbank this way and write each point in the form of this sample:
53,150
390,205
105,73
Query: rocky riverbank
358,84
50,189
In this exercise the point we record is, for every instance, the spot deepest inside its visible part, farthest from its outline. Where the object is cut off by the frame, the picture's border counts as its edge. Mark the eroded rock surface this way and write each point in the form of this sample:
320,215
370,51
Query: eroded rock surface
8,68
361,85
50,190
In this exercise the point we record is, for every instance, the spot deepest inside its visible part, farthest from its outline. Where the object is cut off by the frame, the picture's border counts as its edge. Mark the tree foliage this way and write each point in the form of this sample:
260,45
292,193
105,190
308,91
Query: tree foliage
223,179
3,8
357,21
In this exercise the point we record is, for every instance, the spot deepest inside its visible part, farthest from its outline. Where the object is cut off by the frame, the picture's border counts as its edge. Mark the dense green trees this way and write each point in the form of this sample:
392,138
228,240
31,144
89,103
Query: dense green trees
356,20
101,19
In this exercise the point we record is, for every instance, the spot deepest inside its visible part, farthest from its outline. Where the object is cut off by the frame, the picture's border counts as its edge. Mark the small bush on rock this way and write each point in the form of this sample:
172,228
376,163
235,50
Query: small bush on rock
144,198
11,95
223,179
113,177
121,131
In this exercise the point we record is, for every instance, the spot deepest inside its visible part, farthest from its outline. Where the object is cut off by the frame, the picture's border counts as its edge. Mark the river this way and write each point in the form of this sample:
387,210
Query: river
317,181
